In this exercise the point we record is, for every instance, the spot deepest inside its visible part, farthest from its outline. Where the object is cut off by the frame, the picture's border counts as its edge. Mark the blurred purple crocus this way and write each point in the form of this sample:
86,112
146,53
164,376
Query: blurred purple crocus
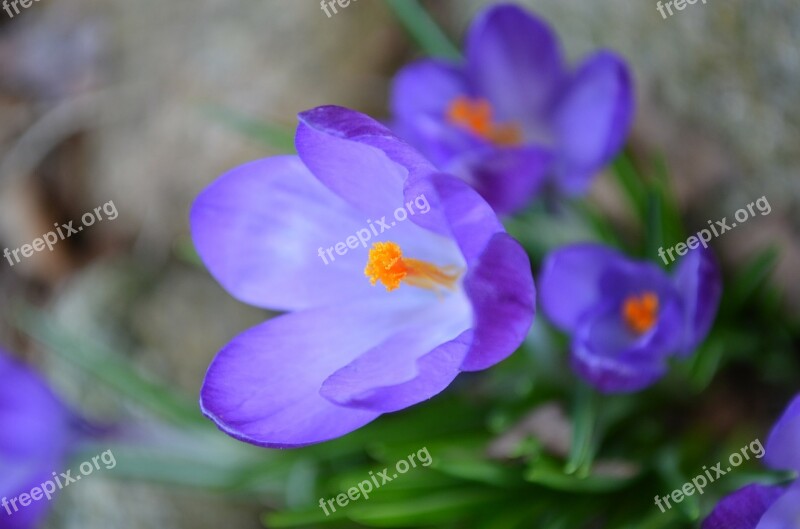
767,506
626,317
36,432
511,117
458,296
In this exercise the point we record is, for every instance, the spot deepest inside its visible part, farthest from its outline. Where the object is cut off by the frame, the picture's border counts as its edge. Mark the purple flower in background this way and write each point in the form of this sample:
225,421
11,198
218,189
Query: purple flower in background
36,431
766,506
511,117
627,318
458,293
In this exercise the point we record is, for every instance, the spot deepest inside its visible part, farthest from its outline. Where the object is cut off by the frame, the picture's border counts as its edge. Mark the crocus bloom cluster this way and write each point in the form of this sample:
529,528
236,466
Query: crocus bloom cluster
36,432
511,117
764,506
372,331
626,318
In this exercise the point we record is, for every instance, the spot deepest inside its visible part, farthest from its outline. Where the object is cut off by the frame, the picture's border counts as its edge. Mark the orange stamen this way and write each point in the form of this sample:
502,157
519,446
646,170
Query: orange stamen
475,115
640,312
387,265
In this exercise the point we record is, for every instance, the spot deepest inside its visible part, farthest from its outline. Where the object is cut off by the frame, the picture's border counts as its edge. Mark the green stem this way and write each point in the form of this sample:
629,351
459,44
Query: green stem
423,29
584,425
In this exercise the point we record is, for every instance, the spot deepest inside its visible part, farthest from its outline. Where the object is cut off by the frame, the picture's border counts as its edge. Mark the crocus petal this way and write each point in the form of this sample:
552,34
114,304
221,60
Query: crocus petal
515,61
498,283
699,282
784,513
420,362
509,178
504,299
357,158
264,386
35,434
41,422
456,211
426,88
569,283
259,229
783,445
593,119
412,365
744,508
613,360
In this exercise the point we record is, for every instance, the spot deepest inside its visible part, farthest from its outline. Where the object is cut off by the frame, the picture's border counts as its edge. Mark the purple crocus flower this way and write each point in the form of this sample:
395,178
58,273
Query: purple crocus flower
36,431
511,117
291,233
627,318
766,506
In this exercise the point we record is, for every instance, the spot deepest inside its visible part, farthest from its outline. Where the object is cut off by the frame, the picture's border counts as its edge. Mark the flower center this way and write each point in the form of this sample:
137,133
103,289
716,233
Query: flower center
475,115
640,312
387,265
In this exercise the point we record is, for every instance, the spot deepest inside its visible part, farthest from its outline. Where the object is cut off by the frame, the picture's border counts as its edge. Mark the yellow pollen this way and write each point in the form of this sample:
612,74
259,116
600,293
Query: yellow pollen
387,265
640,312
475,115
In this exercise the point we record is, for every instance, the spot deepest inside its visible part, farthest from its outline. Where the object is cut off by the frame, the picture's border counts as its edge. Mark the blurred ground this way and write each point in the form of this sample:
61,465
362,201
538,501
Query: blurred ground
107,101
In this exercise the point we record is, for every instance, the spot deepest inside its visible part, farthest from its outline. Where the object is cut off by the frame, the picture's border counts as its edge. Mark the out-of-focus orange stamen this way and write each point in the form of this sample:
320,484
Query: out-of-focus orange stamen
640,312
387,265
475,115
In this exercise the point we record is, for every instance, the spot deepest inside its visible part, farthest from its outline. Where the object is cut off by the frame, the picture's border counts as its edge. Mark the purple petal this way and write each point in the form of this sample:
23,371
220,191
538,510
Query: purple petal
411,366
515,61
503,296
35,434
264,386
784,513
744,508
259,228
614,360
423,359
457,212
358,158
783,445
421,95
569,283
509,178
426,88
499,282
593,119
699,282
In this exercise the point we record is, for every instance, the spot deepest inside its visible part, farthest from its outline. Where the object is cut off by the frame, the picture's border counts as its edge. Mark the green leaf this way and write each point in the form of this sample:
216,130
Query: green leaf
632,184
185,251
278,137
547,473
110,368
423,29
432,508
752,277
668,469
196,459
583,431
453,504
671,220
654,237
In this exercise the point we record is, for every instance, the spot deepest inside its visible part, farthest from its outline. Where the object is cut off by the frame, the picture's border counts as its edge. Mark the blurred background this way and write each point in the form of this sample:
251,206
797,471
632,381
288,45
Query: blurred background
144,103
